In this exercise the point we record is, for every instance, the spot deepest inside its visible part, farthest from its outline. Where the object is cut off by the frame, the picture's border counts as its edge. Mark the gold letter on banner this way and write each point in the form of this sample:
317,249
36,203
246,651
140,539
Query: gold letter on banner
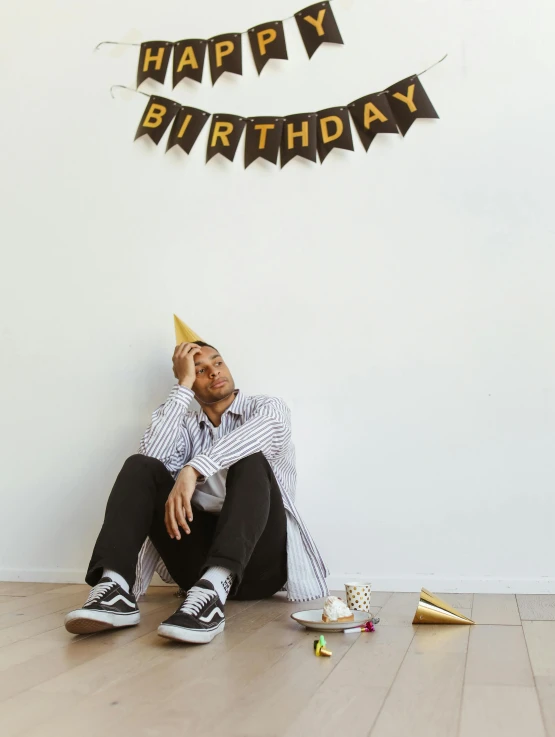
188,58
292,134
223,48
158,59
324,122
185,125
372,113
222,131
265,37
263,128
154,116
318,23
408,100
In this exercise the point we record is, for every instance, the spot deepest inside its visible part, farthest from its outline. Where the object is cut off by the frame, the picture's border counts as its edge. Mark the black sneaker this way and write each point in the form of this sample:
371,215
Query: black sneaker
199,619
108,606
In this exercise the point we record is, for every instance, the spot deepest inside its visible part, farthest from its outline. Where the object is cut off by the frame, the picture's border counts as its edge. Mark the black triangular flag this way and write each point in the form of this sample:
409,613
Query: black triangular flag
225,55
263,139
186,128
299,137
409,101
267,42
153,61
188,59
159,113
317,24
372,115
225,134
334,131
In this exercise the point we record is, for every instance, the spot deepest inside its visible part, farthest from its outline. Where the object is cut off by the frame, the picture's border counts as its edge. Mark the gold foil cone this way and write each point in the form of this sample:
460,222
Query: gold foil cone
183,333
433,610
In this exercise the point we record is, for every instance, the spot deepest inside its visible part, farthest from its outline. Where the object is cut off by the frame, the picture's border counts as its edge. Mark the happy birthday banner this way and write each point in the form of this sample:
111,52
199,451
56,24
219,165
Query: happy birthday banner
393,110
316,24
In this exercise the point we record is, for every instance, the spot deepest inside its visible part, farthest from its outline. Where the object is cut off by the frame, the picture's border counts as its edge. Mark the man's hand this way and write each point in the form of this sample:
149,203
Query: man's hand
178,505
184,363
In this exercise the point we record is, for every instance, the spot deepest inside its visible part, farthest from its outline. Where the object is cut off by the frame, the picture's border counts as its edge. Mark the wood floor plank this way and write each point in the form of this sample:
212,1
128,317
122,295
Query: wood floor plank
18,588
497,656
139,675
22,630
44,642
34,611
501,711
184,703
380,598
495,609
349,700
268,704
399,610
540,639
459,601
46,655
128,652
425,698
19,603
59,693
537,607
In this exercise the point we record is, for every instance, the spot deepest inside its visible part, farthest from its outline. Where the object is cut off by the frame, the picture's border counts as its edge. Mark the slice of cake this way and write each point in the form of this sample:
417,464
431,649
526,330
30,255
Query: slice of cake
335,610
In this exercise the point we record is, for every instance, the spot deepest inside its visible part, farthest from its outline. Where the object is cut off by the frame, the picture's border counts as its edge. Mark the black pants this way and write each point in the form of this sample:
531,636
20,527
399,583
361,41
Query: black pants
248,537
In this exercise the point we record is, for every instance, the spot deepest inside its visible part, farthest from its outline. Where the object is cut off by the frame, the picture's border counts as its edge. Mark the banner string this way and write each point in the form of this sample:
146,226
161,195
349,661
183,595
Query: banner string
241,33
146,94
432,66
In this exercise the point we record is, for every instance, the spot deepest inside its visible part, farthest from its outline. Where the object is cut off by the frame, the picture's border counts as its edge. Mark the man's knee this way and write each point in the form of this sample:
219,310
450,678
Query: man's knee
139,462
256,460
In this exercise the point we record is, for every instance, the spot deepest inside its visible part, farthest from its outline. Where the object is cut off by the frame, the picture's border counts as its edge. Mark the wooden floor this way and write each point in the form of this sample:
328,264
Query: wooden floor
261,679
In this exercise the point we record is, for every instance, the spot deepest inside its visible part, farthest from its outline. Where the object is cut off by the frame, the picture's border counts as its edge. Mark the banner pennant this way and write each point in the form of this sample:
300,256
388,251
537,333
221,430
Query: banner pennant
267,42
225,134
188,60
263,139
186,128
298,137
334,131
372,115
409,101
154,58
317,25
158,114
225,55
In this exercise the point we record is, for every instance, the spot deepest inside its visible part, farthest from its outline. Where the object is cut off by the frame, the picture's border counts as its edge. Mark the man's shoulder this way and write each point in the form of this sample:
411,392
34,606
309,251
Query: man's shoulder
265,401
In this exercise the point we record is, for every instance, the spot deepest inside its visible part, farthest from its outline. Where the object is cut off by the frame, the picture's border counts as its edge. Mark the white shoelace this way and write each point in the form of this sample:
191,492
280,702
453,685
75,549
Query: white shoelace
99,590
196,599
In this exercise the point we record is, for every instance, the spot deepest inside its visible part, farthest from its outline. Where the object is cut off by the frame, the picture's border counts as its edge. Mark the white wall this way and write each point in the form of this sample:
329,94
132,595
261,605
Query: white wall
401,301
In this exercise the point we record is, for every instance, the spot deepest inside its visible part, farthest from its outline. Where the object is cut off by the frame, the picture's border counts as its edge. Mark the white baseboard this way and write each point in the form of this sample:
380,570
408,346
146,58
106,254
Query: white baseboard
55,575
459,585
440,584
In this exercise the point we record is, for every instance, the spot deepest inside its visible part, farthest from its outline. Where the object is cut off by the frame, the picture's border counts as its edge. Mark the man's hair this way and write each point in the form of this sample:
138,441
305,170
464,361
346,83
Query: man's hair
202,344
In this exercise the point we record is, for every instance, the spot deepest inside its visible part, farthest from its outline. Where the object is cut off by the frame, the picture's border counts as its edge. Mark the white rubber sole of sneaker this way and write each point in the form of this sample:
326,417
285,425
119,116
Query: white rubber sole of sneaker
197,637
84,621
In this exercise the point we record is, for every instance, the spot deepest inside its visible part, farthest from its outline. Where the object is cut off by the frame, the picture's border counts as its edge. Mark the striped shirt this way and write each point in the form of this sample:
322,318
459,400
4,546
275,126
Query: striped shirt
178,437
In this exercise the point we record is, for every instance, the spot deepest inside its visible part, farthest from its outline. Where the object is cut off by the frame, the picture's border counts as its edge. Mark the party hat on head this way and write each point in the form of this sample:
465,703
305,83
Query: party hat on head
183,333
433,610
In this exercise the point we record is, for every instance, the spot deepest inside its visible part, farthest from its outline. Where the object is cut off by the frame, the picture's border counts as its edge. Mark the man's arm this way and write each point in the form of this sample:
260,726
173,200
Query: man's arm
165,438
268,431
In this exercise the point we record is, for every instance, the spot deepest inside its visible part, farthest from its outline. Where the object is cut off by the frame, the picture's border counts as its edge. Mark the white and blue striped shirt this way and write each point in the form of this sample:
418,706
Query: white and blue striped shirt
180,437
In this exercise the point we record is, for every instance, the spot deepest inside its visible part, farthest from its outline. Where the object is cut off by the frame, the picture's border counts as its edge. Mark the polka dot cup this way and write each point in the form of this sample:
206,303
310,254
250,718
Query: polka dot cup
358,596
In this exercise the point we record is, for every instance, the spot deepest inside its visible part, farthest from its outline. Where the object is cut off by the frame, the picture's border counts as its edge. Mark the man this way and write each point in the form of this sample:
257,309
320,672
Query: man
208,503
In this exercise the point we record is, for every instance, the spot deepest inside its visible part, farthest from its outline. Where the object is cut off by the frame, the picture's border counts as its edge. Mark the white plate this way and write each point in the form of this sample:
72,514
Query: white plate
312,620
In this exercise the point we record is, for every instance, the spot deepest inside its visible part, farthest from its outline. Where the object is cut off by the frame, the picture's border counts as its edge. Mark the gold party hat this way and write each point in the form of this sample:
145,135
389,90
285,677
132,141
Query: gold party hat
433,610
183,333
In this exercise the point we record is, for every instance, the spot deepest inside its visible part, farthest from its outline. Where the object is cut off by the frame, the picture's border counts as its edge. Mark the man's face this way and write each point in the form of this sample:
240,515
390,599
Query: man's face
214,380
